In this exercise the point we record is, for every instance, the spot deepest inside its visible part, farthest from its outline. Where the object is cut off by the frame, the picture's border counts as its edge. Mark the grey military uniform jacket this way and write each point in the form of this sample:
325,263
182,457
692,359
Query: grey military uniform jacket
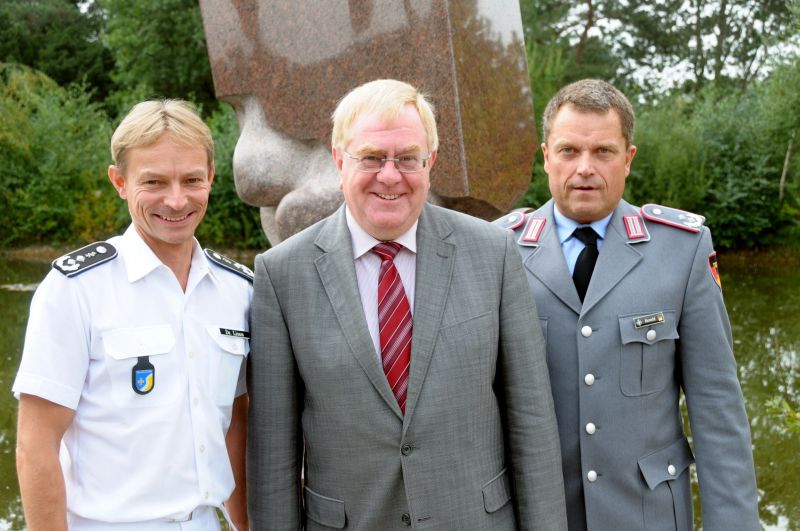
653,322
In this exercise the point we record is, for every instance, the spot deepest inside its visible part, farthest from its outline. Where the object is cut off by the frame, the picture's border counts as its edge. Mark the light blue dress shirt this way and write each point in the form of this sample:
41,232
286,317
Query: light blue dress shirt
572,246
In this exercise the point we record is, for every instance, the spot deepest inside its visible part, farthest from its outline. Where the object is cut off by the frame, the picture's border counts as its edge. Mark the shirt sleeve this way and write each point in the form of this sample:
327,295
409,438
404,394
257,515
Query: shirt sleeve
55,358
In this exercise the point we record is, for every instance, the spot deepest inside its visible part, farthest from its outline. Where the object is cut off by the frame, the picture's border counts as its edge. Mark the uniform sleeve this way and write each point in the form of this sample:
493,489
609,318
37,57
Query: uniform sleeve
532,432
719,425
55,357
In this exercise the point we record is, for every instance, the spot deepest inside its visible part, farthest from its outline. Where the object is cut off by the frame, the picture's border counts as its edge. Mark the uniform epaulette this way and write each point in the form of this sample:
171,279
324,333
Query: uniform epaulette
514,219
85,258
673,217
231,265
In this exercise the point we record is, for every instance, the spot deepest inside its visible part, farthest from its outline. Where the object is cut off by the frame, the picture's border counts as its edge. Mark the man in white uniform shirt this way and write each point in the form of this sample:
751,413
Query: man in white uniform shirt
131,386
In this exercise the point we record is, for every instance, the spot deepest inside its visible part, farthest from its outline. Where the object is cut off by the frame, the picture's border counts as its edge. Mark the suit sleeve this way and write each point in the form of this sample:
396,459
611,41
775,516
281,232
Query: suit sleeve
531,430
273,445
719,425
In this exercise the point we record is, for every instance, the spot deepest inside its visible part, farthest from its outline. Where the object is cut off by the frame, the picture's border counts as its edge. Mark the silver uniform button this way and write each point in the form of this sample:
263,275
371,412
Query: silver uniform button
588,379
586,331
651,335
102,250
657,211
591,476
671,470
591,428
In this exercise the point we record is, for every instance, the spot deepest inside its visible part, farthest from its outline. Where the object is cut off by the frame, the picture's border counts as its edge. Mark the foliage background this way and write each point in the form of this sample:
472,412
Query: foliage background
715,84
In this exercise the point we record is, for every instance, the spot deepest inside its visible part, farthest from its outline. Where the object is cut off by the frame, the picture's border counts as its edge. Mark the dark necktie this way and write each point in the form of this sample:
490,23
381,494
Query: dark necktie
394,322
586,260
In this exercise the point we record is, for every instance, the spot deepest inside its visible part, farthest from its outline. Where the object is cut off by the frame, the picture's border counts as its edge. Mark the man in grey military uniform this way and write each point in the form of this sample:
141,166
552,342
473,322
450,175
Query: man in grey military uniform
624,336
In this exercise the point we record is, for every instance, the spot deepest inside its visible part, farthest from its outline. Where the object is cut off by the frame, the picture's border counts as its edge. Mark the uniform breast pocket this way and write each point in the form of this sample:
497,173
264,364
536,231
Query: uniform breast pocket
232,349
647,362
142,366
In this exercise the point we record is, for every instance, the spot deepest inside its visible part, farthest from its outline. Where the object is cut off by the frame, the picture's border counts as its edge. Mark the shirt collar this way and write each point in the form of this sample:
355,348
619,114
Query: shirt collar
363,242
140,260
567,226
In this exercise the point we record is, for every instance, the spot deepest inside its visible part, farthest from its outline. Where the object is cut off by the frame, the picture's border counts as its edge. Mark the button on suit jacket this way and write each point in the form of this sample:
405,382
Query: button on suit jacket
477,447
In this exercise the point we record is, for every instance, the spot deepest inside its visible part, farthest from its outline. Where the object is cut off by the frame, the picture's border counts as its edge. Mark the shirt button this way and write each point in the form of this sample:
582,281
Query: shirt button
671,470
195,402
591,428
591,476
406,519
191,354
202,448
586,331
205,495
406,449
589,379
651,335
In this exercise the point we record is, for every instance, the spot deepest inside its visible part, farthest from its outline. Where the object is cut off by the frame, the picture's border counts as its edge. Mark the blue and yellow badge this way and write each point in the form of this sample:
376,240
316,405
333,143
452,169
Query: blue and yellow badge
143,376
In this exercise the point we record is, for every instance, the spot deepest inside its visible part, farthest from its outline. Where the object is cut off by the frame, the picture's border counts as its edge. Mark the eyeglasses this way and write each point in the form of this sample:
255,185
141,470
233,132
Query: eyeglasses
404,163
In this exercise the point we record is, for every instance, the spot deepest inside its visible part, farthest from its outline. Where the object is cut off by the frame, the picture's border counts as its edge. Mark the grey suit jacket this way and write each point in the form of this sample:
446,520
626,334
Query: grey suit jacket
478,445
623,376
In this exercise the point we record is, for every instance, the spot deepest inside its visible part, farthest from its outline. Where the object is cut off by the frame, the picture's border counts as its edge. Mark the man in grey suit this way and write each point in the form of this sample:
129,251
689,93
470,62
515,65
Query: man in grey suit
393,358
624,336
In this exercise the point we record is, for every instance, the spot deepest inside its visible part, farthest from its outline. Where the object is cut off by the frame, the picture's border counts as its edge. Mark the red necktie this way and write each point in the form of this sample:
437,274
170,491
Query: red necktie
394,322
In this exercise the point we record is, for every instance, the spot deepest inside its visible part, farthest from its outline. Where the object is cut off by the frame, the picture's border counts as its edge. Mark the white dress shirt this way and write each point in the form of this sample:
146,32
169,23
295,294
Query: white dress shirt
129,457
368,266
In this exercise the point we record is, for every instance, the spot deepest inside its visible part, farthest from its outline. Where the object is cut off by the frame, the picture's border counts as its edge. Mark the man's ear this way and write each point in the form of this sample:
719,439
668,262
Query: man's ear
432,159
118,180
211,174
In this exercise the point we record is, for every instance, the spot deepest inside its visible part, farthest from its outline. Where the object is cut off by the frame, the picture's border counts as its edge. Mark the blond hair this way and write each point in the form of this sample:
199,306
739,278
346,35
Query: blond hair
149,120
384,98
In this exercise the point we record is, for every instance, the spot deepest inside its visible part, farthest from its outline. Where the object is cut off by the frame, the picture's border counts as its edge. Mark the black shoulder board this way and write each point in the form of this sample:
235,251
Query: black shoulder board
231,265
514,219
673,217
85,258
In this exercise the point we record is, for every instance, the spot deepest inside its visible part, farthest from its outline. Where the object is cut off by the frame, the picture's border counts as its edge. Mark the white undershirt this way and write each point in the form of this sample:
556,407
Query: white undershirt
368,266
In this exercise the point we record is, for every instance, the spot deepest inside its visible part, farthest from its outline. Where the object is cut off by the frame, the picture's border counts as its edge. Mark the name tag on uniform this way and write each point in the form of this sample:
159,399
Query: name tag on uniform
648,320
234,333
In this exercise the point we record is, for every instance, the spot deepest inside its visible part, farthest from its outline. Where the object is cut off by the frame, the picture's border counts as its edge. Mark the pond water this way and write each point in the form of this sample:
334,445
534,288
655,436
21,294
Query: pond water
762,292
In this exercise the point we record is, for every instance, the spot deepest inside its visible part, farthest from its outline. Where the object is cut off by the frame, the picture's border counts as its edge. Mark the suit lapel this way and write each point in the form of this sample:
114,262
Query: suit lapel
338,276
546,262
616,258
435,262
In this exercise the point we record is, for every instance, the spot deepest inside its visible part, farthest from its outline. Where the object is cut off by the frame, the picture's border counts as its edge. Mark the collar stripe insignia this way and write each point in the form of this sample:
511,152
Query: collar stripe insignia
634,227
533,230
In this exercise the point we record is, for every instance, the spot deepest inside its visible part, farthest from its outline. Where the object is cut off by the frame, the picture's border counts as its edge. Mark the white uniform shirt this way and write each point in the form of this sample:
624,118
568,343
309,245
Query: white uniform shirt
129,457
368,267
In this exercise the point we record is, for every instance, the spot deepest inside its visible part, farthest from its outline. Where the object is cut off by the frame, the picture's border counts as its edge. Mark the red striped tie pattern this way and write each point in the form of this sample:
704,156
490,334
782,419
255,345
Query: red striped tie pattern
394,322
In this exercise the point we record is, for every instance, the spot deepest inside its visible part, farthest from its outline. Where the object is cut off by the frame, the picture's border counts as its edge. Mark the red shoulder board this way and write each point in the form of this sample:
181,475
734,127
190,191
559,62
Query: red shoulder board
513,220
673,217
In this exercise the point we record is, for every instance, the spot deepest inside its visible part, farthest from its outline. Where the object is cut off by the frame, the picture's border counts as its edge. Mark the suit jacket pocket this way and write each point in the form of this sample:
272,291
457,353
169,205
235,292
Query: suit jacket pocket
497,492
323,510
647,358
666,464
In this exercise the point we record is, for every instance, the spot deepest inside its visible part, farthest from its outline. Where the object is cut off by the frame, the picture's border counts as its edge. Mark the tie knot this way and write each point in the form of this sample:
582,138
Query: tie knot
587,235
387,250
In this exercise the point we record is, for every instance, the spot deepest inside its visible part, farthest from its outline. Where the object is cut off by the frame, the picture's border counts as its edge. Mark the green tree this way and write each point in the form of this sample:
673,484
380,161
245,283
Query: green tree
59,39
165,56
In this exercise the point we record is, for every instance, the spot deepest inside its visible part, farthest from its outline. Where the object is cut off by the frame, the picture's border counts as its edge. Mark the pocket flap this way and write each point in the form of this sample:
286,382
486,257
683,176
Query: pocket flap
648,328
231,340
497,492
666,463
323,510
123,343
